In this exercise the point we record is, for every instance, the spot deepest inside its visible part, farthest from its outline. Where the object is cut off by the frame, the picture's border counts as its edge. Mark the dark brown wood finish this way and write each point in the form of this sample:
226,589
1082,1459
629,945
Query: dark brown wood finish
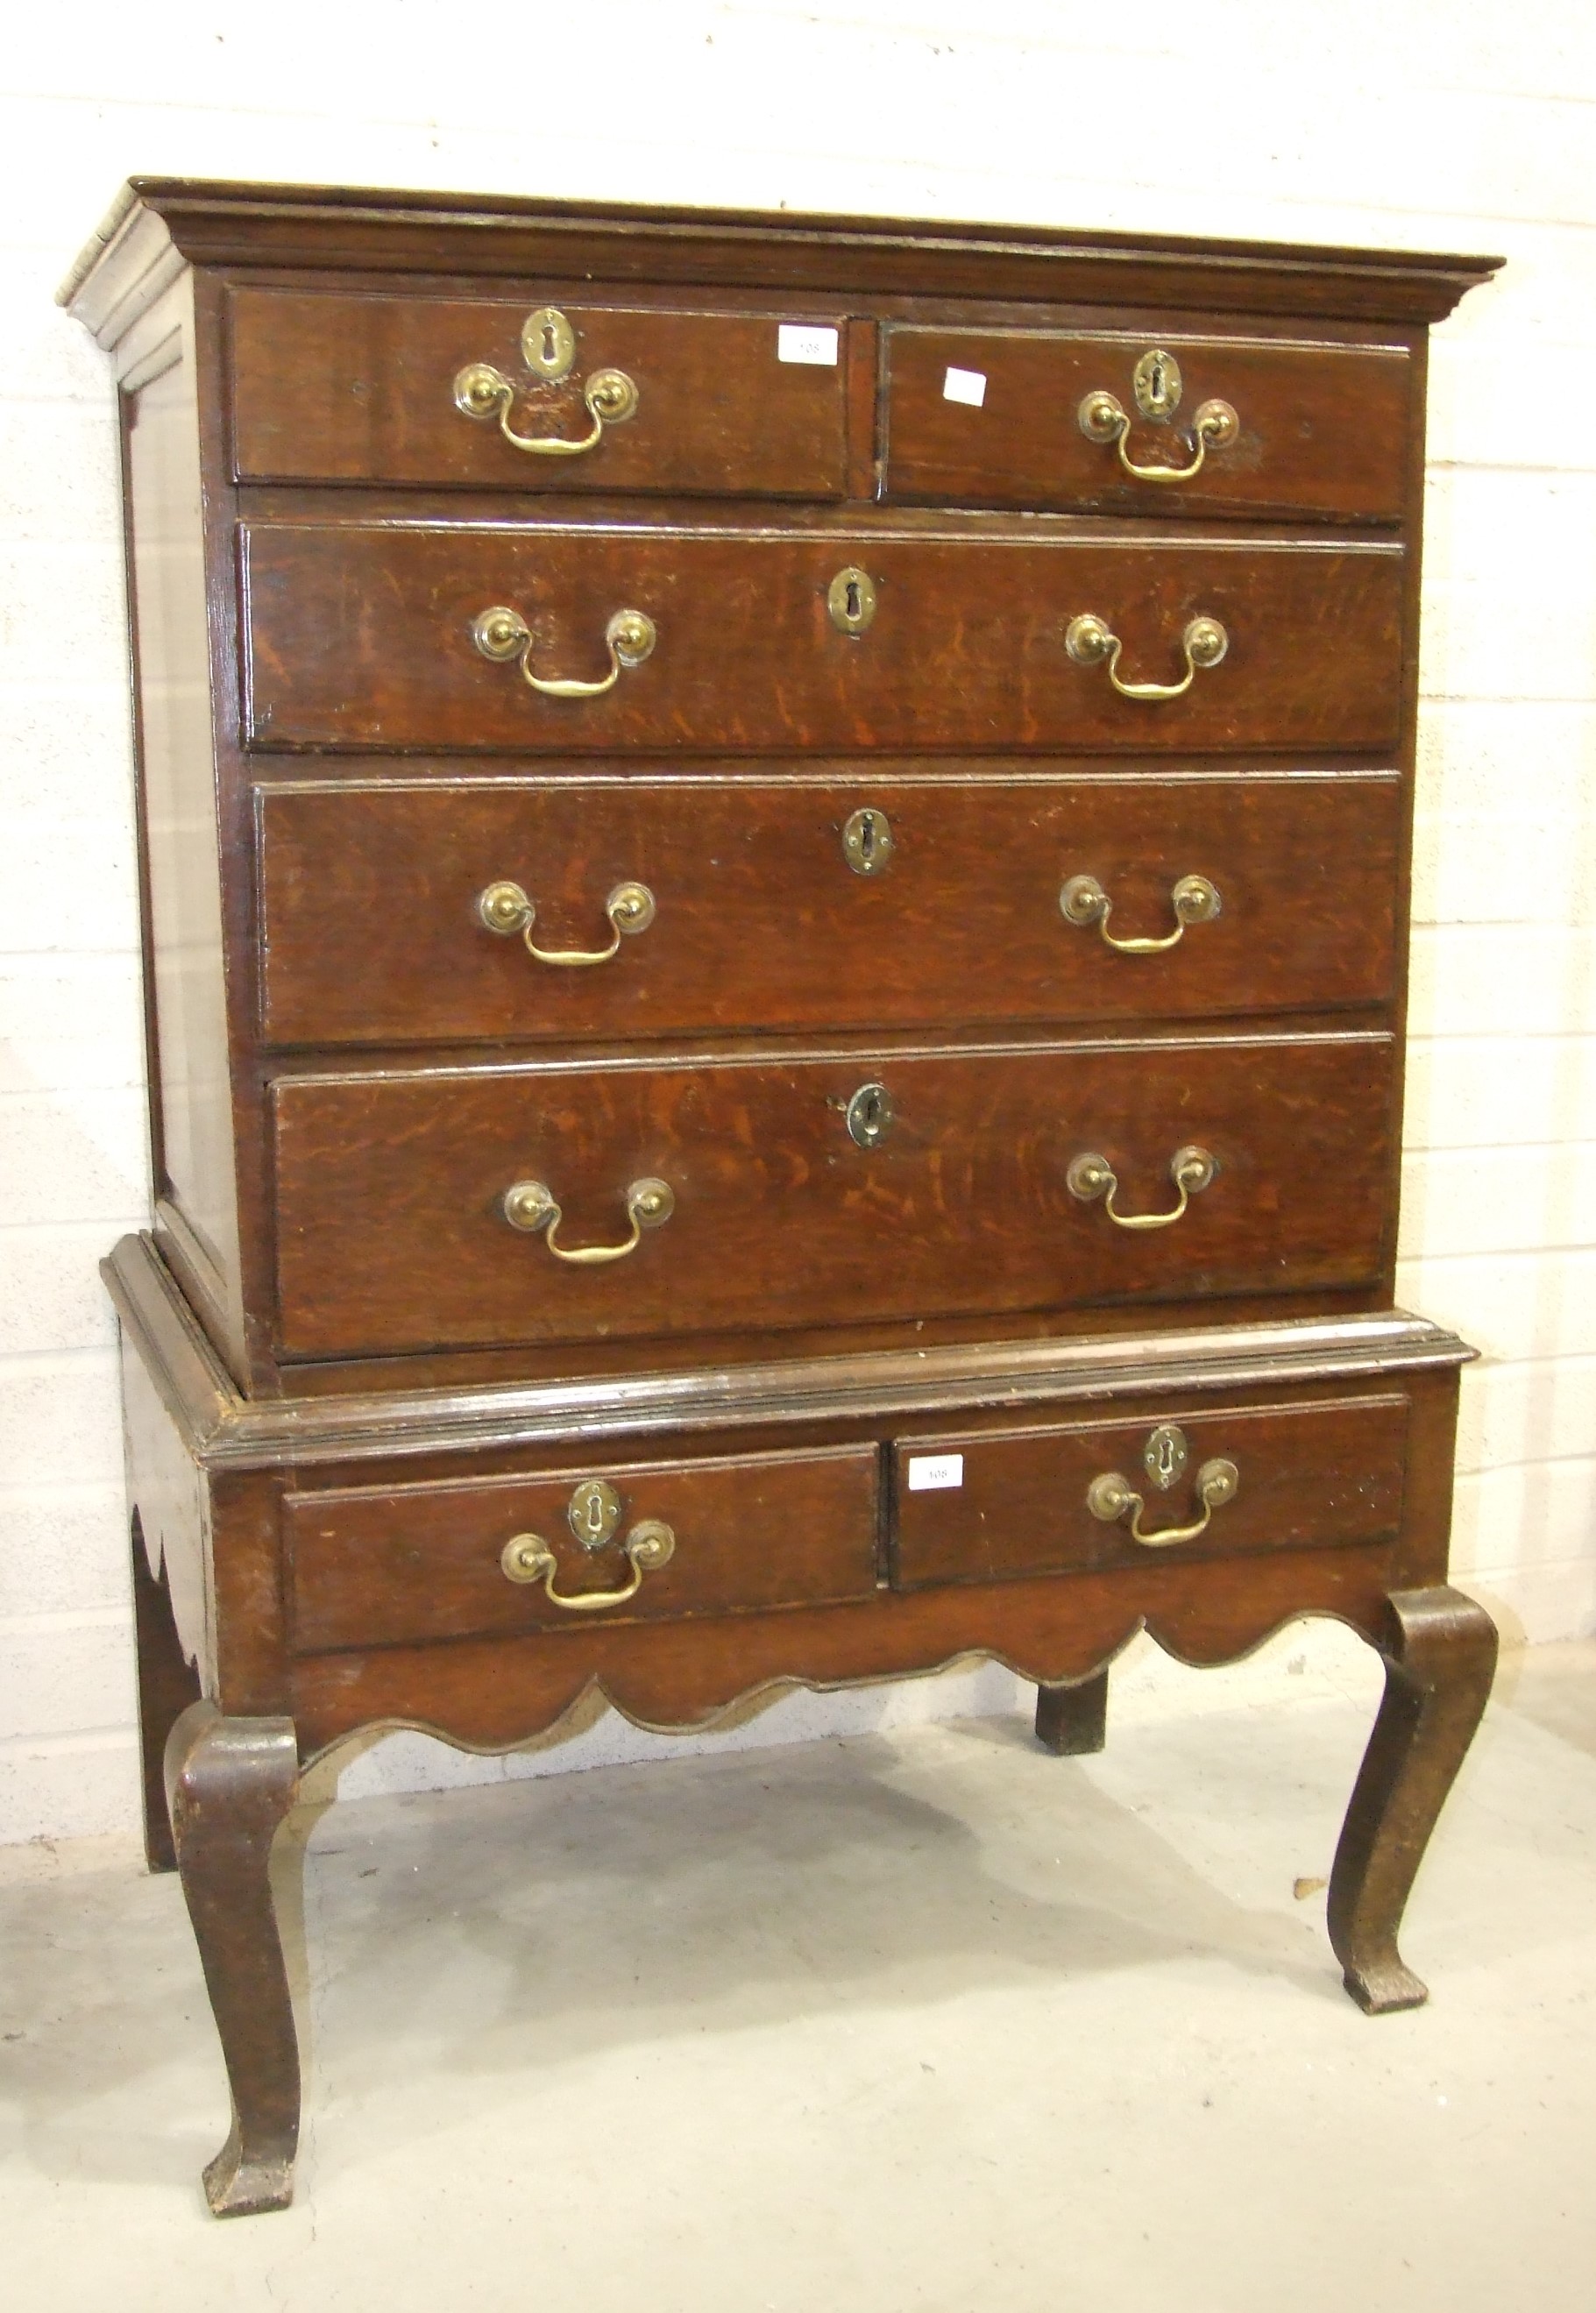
377,1565
1440,1651
368,395
168,1683
156,223
372,931
349,1382
1073,1721
1310,1476
358,636
390,1188
1323,428
230,1783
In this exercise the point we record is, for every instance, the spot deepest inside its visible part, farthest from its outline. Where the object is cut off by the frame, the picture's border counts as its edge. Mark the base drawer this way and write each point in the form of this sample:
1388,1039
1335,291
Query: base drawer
1100,1494
392,1565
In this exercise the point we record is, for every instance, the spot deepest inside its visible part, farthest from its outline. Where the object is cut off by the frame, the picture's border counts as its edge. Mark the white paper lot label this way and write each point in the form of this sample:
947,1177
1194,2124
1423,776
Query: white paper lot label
799,341
965,385
935,1474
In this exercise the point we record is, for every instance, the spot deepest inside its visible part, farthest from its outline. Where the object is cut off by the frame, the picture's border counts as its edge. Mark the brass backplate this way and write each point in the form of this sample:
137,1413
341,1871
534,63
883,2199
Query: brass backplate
866,840
851,600
594,1512
869,1116
1165,1455
1156,383
548,343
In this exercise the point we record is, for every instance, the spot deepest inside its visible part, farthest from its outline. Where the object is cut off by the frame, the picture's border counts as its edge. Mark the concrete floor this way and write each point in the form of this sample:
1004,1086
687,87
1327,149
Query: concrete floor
920,2021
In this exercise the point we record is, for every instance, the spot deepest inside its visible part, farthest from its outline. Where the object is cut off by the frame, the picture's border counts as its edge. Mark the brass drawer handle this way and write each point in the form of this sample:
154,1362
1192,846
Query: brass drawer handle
1110,1497
1155,384
505,908
527,1558
501,634
549,348
1090,1177
531,1206
1083,901
1089,642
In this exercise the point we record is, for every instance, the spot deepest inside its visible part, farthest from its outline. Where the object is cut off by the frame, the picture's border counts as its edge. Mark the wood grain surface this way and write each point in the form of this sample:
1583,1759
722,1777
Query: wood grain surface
370,1566
371,932
369,397
1324,428
390,1187
1310,1474
359,635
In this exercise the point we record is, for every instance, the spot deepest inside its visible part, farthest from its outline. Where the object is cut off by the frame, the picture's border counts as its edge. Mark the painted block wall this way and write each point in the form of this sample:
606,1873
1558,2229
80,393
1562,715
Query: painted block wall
1417,123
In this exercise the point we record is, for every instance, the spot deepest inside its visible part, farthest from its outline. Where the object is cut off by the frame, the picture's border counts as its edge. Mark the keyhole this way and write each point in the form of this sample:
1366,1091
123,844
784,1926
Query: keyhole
1166,1459
1155,384
869,1116
852,598
867,838
550,345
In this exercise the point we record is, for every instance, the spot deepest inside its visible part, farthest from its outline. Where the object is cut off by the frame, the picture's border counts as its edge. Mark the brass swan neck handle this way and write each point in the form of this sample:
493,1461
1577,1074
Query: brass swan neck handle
1090,1177
1215,426
1110,1497
528,1558
1089,642
505,908
531,1206
1083,901
549,348
501,634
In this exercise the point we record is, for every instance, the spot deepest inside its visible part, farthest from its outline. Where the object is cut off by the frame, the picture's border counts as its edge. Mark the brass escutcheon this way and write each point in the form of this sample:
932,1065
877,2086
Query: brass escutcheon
867,840
594,1512
869,1116
851,600
1165,1454
1155,382
548,343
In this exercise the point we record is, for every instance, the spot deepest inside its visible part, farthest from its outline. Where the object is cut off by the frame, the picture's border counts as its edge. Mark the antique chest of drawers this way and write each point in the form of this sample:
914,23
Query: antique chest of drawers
775,866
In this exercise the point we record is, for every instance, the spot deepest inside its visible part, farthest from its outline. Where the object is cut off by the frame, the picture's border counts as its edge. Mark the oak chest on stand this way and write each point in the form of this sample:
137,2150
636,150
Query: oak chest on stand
775,857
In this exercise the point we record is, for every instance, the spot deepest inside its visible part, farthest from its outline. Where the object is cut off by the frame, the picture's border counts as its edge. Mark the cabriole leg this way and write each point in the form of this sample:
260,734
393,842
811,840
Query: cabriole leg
1440,1651
229,1783
1072,1721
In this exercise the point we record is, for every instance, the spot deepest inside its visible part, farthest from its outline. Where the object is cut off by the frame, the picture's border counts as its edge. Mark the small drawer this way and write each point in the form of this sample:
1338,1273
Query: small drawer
712,1192
1048,420
376,1566
570,639
397,912
348,388
1196,1484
